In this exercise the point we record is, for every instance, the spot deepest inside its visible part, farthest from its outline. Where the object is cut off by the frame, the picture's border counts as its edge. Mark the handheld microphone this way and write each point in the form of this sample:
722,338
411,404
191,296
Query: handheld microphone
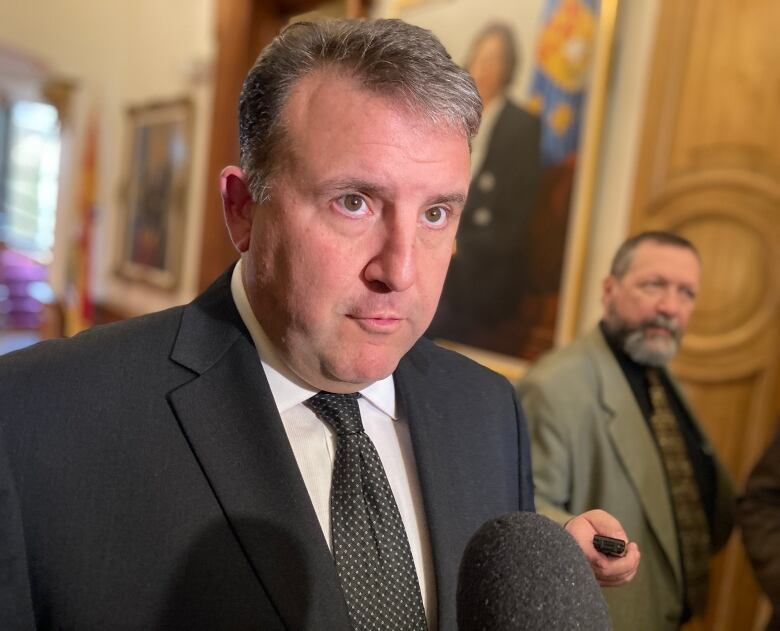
523,571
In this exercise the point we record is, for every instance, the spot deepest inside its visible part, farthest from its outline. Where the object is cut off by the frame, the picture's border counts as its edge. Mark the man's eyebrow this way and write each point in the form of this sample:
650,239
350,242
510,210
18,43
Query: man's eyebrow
352,184
459,199
374,189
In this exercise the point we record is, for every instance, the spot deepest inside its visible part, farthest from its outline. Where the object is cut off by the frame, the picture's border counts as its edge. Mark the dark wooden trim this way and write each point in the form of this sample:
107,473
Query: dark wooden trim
244,27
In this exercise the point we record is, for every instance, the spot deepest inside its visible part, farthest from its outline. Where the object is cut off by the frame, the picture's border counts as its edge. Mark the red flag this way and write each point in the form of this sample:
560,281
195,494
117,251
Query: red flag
79,311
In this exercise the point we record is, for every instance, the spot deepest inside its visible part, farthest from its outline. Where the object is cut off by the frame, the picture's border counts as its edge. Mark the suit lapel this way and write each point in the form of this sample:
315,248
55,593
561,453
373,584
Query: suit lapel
458,491
425,412
636,449
231,422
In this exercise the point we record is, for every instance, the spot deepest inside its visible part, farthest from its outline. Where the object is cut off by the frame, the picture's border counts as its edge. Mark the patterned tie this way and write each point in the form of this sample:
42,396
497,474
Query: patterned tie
372,553
692,528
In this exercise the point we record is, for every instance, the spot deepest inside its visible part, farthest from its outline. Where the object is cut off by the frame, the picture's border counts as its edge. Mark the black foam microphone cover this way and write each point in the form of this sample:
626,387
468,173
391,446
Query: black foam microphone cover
522,571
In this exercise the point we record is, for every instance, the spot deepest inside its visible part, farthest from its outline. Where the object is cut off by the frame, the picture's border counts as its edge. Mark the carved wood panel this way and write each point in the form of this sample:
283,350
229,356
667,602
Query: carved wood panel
710,169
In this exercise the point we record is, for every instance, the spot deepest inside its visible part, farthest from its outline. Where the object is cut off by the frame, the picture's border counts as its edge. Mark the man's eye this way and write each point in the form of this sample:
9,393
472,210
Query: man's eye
436,215
353,203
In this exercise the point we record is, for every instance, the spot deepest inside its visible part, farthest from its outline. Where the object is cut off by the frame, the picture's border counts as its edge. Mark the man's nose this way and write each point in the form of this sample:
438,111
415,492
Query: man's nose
393,265
669,302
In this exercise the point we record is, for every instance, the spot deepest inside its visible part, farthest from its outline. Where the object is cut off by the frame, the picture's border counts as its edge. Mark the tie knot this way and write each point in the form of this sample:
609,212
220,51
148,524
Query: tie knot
656,390
653,377
341,411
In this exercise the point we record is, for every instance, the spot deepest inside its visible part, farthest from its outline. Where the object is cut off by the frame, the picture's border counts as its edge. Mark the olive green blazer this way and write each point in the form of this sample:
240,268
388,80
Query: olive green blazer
592,448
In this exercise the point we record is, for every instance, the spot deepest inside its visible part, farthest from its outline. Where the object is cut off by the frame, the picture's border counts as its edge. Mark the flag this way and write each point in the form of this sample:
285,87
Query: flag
563,60
79,310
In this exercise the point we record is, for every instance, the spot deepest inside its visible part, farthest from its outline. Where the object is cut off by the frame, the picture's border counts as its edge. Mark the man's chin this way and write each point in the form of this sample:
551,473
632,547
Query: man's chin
358,372
653,350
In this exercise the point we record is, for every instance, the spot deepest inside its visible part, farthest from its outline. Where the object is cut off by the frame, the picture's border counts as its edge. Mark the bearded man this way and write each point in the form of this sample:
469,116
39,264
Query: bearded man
611,429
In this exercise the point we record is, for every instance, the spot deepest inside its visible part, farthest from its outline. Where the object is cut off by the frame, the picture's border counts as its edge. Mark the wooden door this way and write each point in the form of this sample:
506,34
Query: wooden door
709,169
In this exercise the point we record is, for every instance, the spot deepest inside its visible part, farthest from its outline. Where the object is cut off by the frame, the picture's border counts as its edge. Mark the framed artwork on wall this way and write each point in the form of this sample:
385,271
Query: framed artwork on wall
154,193
541,67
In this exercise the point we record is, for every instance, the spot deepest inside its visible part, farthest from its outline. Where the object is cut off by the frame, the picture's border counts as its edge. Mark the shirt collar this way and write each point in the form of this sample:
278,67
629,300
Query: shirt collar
480,143
289,389
490,113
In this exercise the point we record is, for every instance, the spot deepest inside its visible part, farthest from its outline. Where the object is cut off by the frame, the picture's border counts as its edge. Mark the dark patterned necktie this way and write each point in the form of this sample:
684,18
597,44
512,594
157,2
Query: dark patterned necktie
692,528
373,558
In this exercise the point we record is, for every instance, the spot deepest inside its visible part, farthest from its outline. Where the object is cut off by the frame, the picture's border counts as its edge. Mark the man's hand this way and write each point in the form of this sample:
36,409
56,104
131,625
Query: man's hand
610,571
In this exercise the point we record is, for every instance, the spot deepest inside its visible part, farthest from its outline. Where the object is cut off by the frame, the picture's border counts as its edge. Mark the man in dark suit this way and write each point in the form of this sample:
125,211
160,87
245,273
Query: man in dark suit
759,518
175,470
479,304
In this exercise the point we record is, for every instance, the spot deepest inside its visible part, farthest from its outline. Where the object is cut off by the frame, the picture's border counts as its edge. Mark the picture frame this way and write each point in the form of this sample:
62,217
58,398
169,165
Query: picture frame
153,199
520,293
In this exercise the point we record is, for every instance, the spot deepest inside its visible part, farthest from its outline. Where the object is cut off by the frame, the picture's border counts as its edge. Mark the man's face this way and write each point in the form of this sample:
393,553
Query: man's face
345,264
648,309
488,67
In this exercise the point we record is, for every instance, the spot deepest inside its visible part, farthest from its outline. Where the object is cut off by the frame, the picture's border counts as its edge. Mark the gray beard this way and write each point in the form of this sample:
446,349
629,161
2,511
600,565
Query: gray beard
637,347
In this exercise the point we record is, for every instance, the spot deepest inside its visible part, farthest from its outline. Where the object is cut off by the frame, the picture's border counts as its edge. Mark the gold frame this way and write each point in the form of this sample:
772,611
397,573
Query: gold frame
174,176
575,255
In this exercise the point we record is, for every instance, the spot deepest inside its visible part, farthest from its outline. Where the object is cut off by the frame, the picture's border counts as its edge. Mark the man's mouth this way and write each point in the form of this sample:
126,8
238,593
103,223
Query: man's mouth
660,327
658,330
377,322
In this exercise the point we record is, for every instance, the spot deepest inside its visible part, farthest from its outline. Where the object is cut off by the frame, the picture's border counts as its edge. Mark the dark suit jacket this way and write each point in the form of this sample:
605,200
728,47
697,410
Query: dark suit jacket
147,482
759,517
486,276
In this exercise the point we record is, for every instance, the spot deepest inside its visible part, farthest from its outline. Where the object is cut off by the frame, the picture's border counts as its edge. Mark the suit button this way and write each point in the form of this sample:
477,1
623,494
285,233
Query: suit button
482,217
486,182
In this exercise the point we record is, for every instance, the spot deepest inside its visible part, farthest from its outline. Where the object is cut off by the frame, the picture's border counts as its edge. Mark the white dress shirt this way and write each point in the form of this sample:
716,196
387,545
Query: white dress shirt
481,142
313,443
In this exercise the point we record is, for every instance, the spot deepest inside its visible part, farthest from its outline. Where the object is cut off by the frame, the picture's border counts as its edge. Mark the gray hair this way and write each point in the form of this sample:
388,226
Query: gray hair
623,258
388,57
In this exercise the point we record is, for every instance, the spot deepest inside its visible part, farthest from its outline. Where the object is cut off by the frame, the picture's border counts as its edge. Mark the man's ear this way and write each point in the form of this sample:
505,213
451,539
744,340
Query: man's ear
237,206
607,287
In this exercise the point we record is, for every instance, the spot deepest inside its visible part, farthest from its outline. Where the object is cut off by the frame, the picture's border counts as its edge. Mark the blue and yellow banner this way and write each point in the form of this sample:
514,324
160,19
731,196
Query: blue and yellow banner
563,62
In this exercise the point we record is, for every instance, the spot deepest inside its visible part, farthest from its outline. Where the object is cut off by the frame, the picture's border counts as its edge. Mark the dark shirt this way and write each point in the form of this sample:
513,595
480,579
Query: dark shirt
701,461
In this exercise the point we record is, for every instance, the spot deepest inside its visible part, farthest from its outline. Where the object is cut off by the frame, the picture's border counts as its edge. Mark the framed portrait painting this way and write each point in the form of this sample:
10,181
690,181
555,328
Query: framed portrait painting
154,193
540,67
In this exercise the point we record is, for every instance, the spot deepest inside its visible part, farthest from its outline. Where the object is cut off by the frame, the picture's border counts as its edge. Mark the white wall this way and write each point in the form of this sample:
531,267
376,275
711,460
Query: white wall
120,53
